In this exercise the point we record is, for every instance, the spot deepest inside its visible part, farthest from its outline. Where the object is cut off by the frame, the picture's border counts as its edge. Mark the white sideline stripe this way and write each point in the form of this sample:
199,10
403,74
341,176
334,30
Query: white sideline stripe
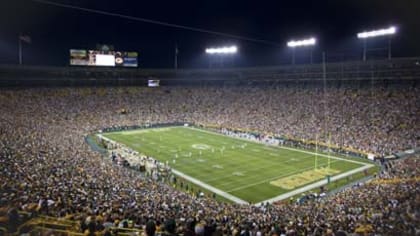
141,130
103,137
319,154
292,149
261,167
314,185
199,183
308,187
270,179
209,187
278,198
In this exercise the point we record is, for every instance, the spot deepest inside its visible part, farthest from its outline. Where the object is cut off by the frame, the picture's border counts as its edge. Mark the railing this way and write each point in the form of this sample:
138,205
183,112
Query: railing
46,225
41,231
46,222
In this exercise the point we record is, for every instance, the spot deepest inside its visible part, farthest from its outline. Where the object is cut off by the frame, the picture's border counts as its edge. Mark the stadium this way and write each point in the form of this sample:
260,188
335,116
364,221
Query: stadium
318,145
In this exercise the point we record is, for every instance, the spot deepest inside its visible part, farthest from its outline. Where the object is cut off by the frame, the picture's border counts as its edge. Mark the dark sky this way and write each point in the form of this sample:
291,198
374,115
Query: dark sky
55,30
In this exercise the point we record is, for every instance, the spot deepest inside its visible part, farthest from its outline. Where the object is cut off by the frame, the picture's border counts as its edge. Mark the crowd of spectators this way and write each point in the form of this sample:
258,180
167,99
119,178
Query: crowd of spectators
47,167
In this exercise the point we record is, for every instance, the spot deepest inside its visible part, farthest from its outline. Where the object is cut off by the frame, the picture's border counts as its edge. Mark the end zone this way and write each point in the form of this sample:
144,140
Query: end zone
303,178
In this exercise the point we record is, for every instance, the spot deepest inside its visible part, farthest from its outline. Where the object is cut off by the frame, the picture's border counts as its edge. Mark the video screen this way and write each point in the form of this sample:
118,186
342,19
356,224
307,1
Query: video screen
104,60
153,83
80,57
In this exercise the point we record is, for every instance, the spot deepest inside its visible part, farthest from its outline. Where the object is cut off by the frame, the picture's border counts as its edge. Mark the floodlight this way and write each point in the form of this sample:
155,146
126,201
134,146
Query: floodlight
222,50
302,43
375,33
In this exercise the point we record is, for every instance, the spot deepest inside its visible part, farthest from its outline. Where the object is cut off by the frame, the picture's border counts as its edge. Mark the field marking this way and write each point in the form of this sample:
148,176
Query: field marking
209,187
272,146
272,178
261,167
201,146
139,131
292,160
267,147
196,181
280,197
319,154
250,176
304,178
238,173
314,185
308,187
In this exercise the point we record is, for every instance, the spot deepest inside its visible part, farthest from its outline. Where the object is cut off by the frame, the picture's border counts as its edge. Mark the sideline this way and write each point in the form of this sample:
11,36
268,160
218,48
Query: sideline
198,182
270,179
277,198
314,185
281,147
209,187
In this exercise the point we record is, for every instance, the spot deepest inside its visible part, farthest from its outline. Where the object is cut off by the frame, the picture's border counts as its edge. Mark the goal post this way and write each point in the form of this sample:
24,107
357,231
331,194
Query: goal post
316,152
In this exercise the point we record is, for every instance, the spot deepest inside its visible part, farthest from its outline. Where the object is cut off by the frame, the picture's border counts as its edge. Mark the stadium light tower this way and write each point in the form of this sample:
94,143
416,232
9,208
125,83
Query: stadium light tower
377,33
309,42
221,51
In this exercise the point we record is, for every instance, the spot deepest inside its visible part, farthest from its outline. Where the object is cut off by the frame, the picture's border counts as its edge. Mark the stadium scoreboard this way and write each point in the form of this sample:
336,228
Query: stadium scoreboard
153,82
82,57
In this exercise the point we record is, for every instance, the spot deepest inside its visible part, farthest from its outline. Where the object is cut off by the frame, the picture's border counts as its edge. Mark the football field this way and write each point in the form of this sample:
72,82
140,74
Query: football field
237,169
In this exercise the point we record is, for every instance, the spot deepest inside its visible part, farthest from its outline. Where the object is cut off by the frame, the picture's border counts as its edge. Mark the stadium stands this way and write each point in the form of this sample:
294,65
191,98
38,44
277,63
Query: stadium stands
48,168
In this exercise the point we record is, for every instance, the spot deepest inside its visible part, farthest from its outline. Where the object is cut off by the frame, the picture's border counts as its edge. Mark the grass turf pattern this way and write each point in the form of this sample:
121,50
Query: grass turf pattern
239,167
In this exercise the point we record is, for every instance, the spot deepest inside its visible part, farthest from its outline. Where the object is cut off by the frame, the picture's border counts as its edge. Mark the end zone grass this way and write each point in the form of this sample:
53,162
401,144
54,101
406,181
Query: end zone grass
237,167
303,178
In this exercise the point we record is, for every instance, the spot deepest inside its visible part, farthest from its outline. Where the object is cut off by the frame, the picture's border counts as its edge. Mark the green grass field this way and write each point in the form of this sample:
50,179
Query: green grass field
247,170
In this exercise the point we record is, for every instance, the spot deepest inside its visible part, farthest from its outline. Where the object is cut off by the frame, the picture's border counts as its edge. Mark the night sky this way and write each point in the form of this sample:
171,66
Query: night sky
55,30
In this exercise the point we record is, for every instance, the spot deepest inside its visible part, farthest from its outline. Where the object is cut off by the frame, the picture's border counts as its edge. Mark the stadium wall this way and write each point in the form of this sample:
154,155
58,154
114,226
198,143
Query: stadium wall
387,71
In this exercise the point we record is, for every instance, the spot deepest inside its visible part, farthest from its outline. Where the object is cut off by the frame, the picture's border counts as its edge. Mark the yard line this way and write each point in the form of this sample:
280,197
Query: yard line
251,178
273,178
219,177
230,175
247,161
209,187
261,167
319,154
226,174
255,169
302,158
281,147
314,185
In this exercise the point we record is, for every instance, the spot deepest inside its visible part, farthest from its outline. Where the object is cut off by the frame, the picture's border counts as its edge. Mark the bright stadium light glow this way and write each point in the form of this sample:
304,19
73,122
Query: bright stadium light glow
375,33
222,50
302,43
